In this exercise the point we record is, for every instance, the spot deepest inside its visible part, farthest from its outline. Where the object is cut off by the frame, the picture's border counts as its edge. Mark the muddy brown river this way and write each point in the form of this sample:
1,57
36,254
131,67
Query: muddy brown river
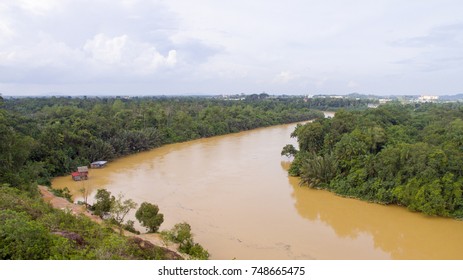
235,193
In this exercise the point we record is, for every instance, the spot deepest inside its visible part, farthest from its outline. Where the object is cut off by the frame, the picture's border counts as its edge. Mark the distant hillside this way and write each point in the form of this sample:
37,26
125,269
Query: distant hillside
456,97
363,96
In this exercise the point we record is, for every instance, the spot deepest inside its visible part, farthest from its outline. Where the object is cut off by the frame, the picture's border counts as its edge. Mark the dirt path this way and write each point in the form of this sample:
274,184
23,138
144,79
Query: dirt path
63,204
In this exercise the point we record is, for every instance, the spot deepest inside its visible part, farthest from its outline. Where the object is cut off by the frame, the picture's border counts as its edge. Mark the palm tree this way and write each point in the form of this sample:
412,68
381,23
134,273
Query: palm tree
317,170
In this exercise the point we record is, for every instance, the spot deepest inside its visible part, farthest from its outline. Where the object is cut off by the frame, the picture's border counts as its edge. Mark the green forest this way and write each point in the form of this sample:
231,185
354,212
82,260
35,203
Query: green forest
46,137
41,138
409,155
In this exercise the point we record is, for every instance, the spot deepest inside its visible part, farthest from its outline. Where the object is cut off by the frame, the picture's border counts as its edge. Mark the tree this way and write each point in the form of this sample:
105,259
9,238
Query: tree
104,201
318,170
148,215
289,150
15,150
120,208
84,191
310,136
116,208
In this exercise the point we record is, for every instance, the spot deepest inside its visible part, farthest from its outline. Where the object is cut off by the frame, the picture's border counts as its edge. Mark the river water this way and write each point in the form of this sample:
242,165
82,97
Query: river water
235,193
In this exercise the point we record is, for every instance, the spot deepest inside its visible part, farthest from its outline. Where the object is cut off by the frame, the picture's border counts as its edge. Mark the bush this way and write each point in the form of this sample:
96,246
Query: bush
181,234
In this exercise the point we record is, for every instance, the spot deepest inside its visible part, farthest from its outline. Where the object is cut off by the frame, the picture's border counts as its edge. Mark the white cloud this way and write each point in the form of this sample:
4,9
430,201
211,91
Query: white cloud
118,58
39,7
126,54
129,3
6,32
284,77
106,50
243,46
46,53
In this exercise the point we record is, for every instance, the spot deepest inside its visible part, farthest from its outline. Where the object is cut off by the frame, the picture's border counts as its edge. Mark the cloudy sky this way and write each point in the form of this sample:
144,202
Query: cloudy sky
226,47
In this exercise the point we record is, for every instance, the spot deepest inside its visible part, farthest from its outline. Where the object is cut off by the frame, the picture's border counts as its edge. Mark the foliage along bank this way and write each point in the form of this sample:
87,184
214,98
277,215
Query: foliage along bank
45,137
408,155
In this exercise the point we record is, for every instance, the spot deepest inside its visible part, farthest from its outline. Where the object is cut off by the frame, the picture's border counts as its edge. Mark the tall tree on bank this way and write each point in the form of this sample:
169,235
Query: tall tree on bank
148,215
120,208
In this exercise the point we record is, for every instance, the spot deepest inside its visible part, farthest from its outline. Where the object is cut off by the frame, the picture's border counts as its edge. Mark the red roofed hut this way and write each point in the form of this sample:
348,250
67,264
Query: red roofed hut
81,174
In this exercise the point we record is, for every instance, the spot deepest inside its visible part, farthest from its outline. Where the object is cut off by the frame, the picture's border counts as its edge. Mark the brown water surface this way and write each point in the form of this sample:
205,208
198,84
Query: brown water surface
235,192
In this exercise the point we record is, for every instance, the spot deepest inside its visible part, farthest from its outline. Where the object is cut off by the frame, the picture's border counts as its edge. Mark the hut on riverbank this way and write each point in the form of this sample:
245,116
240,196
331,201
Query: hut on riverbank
81,174
98,164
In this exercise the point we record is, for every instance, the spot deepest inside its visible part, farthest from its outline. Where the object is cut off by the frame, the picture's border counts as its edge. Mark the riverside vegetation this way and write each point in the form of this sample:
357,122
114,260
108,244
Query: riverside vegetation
45,137
408,155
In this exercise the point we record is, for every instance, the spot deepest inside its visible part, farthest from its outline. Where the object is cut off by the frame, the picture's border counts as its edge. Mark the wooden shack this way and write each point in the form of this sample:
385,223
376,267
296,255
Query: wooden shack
98,164
76,176
81,174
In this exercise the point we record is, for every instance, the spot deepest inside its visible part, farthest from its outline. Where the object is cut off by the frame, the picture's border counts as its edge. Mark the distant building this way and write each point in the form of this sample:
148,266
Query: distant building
428,98
384,100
